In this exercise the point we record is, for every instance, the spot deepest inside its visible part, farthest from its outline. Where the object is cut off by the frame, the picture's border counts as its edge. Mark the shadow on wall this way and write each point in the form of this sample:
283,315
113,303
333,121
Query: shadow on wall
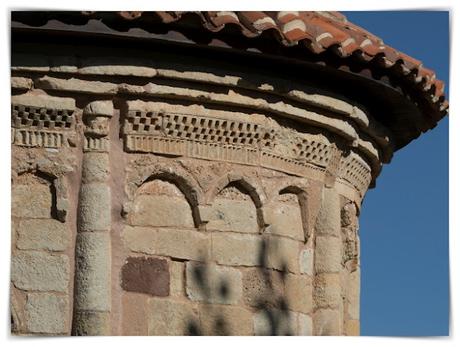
272,305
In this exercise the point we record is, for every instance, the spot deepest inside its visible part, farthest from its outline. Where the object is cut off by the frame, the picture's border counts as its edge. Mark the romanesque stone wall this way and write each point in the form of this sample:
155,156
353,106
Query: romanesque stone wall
153,200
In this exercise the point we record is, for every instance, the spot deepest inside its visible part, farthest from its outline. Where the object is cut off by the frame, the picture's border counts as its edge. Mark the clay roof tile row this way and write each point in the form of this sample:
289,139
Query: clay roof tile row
318,32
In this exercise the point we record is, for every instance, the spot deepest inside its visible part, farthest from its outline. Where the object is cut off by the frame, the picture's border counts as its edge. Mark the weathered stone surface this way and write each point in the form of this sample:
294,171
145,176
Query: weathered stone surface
95,167
275,322
283,254
306,261
327,293
177,287
111,66
328,254
43,100
99,108
47,313
286,220
94,207
92,271
298,293
327,322
236,249
225,320
76,85
21,83
91,323
31,201
96,127
353,294
305,325
46,234
262,287
134,314
328,220
169,317
34,270
182,244
352,327
234,215
146,275
161,211
213,284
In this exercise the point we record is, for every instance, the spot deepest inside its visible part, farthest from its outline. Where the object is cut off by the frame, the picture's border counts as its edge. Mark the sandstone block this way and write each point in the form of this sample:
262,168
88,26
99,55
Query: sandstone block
177,287
213,284
134,314
110,66
45,101
274,322
327,293
95,207
34,270
146,275
286,220
305,325
31,201
47,313
95,167
92,271
21,83
353,295
234,215
236,249
298,293
327,322
182,244
76,85
262,287
328,254
161,211
225,320
168,317
46,234
306,262
283,254
91,323
328,219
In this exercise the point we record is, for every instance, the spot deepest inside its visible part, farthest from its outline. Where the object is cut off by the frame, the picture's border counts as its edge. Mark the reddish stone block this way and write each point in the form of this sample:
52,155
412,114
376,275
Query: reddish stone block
146,275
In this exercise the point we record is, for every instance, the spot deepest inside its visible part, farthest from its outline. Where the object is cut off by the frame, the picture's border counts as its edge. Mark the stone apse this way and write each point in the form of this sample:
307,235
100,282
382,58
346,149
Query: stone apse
199,173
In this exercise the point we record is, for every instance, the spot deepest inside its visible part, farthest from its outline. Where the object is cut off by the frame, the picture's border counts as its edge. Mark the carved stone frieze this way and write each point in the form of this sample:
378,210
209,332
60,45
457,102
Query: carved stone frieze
258,143
36,126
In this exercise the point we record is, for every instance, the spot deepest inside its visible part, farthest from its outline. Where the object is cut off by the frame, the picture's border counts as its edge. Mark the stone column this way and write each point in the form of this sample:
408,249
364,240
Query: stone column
328,311
93,246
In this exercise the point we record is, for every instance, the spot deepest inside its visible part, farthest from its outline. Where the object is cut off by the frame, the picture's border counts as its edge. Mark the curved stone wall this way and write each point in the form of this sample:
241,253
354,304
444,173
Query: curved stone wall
184,201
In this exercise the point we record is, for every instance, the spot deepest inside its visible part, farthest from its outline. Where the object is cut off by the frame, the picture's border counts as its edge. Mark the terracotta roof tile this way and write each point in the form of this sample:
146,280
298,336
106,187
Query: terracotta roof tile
318,32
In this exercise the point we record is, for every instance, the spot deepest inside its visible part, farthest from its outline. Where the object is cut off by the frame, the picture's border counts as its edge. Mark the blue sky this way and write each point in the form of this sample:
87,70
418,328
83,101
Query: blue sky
404,220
